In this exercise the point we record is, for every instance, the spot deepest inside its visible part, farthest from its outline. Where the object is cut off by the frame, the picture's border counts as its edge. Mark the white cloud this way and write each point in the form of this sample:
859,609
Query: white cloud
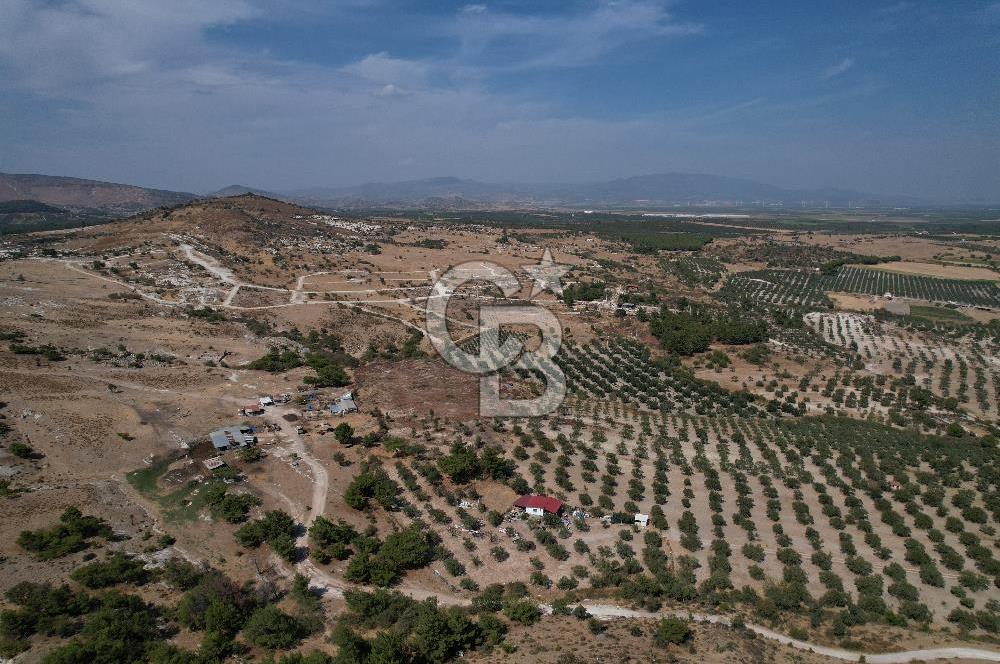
837,69
56,47
497,40
383,68
390,90
141,91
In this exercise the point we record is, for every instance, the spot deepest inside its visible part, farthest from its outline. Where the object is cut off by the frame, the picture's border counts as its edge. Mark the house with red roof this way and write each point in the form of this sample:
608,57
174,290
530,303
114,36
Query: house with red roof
539,505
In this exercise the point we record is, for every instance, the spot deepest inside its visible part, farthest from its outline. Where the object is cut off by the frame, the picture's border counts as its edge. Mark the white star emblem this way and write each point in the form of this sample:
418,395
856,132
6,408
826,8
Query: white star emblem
546,274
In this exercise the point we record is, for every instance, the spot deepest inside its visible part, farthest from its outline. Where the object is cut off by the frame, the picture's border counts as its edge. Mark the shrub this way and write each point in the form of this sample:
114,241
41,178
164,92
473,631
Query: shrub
118,568
269,627
671,631
276,528
68,536
21,450
522,611
331,540
372,484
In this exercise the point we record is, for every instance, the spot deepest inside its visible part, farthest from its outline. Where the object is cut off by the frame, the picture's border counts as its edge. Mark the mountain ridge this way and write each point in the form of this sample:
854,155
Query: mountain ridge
639,190
450,192
82,195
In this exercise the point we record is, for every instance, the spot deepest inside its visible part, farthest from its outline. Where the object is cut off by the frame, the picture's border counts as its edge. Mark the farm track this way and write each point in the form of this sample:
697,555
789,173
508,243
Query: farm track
297,296
608,611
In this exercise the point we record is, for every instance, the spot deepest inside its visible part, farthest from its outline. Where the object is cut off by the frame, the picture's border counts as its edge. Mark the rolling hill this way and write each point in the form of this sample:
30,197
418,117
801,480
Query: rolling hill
88,196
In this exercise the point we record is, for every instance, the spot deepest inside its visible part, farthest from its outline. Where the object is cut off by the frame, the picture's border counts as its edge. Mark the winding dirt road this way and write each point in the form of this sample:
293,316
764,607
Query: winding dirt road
609,611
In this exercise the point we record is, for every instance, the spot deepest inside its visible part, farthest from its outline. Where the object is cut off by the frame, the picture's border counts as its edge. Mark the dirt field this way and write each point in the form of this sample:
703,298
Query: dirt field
414,388
938,270
852,302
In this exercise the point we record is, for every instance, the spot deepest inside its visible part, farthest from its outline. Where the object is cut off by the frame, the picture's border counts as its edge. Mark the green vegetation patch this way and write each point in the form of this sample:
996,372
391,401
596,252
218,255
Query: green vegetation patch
939,314
183,504
70,535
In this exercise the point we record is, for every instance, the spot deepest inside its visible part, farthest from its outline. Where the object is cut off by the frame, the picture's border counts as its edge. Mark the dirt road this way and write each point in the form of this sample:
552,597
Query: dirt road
608,611
321,479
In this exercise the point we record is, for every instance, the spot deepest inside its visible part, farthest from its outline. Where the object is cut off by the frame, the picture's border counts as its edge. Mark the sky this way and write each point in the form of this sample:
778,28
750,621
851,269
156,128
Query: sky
890,98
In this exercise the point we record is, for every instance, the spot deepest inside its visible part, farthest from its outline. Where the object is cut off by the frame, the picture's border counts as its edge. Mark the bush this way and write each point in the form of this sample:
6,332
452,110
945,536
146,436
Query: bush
331,540
276,528
329,375
233,508
671,631
269,627
42,609
382,563
277,360
21,450
68,536
123,629
181,574
372,484
522,611
118,568
753,552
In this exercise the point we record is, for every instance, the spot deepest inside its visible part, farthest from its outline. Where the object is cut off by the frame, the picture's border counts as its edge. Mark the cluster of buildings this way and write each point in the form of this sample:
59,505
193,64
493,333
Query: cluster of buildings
258,407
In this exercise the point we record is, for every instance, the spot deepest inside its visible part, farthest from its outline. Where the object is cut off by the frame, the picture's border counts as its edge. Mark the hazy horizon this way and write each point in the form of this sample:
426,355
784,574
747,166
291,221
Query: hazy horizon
893,98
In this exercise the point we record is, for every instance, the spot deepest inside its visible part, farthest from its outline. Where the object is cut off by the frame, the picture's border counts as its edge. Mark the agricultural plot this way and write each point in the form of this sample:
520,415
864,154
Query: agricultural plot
944,366
786,288
695,270
623,370
861,521
934,289
805,289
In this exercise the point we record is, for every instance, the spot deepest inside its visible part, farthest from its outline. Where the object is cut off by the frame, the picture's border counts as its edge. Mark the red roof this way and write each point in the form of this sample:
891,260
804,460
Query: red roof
546,503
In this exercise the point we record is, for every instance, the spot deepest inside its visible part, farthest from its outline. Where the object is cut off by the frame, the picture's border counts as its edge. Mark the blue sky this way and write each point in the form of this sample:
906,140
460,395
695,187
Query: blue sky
883,97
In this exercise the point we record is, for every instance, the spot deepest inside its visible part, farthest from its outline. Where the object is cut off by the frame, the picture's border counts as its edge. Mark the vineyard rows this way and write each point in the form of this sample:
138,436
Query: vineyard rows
933,289
803,289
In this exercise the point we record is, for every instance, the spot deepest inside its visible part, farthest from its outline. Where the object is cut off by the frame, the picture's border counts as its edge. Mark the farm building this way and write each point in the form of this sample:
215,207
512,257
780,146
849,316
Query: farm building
266,401
229,437
539,505
641,520
344,404
252,409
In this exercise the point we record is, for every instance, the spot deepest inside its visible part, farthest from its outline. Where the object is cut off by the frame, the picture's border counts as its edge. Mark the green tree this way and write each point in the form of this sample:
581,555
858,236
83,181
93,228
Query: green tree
671,631
269,627
344,433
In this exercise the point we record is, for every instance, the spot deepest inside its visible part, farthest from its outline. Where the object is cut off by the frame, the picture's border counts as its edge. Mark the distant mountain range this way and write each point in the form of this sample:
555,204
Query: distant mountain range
638,192
77,196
